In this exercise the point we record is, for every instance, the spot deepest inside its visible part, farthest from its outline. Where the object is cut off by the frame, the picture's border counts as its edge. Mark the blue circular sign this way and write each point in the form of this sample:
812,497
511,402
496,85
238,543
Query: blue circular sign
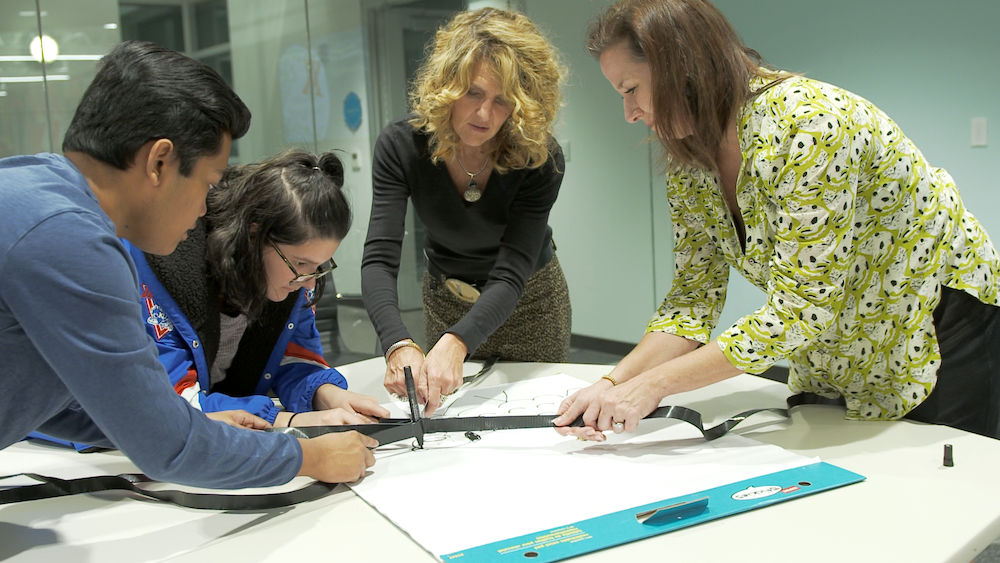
352,111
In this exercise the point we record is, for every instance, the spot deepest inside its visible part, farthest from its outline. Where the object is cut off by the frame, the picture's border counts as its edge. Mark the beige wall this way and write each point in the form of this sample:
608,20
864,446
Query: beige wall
603,221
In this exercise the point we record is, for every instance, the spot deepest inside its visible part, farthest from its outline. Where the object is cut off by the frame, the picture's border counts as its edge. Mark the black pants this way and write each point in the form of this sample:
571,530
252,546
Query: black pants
967,394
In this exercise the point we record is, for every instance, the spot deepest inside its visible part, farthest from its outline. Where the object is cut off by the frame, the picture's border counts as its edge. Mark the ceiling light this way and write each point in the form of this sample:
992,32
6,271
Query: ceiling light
111,25
44,45
28,58
27,79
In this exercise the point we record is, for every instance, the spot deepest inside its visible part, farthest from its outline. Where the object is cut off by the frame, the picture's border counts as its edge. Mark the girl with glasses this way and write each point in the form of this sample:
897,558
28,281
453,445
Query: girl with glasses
231,308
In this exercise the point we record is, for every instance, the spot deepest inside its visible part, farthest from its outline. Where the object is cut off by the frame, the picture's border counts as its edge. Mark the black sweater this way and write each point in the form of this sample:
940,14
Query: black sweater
501,239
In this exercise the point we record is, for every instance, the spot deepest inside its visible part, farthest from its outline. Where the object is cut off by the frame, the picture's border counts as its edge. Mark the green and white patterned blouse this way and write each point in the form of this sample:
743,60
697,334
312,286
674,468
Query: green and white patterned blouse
849,232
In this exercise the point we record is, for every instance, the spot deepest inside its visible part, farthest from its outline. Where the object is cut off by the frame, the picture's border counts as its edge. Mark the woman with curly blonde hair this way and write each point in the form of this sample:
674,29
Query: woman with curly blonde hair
478,159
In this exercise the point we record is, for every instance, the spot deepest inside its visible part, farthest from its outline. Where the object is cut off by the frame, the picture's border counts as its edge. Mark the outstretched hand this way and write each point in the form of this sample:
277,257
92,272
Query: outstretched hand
608,407
395,380
441,373
330,396
575,405
329,417
338,457
239,419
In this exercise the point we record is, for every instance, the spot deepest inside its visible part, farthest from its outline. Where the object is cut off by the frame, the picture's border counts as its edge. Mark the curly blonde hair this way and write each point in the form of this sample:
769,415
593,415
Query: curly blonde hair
525,65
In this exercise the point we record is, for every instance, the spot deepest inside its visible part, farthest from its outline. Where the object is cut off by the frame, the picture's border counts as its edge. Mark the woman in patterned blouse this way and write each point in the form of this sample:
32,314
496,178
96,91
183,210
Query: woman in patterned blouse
881,287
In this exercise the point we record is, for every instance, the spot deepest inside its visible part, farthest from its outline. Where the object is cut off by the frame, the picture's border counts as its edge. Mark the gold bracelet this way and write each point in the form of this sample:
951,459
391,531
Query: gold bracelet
402,344
611,379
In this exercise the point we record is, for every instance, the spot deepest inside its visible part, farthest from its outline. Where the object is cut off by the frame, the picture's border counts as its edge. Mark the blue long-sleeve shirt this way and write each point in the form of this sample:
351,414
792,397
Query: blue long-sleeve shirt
295,368
76,361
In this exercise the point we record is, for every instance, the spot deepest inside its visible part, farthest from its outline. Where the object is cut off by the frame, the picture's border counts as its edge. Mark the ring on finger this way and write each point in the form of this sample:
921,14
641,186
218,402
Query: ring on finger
618,424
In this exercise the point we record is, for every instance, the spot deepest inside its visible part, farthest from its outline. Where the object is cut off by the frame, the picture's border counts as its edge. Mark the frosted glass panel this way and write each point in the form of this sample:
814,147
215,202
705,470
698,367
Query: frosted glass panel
37,99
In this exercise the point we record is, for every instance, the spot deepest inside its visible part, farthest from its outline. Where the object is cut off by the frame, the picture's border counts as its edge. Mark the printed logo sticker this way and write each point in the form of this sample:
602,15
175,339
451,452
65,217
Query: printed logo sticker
157,318
754,493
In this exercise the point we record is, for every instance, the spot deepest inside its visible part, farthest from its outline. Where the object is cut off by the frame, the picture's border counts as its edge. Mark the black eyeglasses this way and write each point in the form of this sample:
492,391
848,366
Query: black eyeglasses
303,278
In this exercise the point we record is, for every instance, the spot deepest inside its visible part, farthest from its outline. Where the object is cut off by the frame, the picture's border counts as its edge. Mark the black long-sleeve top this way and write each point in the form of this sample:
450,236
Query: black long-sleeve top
501,239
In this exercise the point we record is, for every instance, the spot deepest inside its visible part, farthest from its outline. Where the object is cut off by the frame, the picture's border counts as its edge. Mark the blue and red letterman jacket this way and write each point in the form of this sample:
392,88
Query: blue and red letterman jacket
282,352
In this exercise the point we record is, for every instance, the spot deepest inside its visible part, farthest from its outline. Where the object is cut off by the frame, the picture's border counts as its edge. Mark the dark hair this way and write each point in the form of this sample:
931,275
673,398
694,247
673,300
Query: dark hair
700,69
292,198
144,92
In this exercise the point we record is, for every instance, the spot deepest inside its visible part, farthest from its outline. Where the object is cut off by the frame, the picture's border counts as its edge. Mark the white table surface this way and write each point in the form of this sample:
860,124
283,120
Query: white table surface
911,508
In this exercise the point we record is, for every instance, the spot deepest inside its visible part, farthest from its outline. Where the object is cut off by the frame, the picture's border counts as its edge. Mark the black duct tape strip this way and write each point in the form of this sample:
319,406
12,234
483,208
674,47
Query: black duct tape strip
386,432
390,430
487,367
52,487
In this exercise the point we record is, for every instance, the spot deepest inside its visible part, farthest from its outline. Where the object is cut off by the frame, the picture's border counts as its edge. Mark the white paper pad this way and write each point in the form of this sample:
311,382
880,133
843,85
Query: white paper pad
456,493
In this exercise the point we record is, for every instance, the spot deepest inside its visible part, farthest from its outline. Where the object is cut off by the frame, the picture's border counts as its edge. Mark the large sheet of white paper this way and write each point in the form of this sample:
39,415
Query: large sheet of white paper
458,493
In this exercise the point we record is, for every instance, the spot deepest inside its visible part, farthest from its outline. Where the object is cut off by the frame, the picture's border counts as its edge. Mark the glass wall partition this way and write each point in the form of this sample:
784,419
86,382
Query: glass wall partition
316,74
48,49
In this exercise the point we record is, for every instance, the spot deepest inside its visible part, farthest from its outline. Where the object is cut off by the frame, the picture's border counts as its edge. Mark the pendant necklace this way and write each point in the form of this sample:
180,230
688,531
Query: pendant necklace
472,194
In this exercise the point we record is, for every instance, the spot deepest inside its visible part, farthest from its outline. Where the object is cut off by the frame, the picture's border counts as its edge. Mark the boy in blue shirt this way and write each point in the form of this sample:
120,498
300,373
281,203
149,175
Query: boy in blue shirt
150,137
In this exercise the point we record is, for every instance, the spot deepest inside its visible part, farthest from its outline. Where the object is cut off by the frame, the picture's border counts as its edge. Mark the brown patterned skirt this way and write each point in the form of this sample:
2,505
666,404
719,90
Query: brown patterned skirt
537,331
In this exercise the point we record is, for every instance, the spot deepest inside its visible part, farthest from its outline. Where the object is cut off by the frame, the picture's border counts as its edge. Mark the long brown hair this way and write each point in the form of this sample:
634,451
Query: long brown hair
700,68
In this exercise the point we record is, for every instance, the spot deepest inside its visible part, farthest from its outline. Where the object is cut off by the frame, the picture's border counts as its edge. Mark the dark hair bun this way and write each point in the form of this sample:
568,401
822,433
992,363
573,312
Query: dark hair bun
332,167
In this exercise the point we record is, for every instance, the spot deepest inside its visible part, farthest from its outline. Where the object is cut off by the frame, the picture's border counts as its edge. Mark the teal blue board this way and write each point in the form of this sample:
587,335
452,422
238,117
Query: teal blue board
621,527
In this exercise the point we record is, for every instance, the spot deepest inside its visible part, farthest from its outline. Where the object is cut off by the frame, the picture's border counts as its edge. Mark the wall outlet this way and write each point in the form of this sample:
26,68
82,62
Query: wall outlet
356,161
